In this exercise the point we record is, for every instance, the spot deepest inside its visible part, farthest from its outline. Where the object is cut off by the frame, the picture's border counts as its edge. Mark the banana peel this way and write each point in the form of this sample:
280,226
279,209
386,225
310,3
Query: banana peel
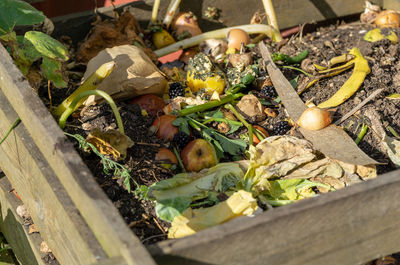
360,71
376,35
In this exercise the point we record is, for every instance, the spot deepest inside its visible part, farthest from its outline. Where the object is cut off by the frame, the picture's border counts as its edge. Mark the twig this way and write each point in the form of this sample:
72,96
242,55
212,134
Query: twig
49,92
359,106
159,226
151,237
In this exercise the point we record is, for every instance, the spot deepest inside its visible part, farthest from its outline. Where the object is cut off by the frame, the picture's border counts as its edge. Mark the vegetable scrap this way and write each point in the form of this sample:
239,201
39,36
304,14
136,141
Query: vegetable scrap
229,129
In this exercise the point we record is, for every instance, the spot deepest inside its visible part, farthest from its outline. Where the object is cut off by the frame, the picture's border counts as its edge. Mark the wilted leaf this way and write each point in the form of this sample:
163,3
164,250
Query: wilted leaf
111,143
321,168
46,45
167,209
33,229
17,13
241,203
52,70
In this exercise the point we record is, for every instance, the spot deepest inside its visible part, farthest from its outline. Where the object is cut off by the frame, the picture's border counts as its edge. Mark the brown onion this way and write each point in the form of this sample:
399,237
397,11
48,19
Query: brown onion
186,22
388,19
314,119
236,37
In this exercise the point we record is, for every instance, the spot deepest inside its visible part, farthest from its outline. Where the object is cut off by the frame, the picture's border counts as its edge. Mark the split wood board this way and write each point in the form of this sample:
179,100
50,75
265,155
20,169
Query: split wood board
24,246
38,155
349,226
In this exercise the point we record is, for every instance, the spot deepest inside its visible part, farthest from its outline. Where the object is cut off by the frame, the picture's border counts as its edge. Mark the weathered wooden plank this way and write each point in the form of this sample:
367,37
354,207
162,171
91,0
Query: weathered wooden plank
349,226
24,246
52,210
100,214
111,261
391,4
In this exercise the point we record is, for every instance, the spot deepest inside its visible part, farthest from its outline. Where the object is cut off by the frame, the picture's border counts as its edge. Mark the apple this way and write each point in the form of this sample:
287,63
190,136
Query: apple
164,155
262,130
165,129
151,103
198,154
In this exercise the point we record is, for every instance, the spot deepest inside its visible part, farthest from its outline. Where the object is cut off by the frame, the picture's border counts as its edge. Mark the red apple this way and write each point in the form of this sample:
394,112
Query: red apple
151,103
165,129
165,155
198,154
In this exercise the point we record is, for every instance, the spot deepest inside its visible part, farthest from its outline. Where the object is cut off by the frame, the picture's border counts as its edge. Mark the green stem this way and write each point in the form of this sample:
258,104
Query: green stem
393,132
259,134
15,124
297,69
290,60
245,123
362,133
70,109
209,105
179,159
238,123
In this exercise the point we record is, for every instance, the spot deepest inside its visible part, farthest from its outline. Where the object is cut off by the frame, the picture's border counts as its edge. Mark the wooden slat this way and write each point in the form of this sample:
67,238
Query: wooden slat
100,214
24,246
51,209
349,226
391,4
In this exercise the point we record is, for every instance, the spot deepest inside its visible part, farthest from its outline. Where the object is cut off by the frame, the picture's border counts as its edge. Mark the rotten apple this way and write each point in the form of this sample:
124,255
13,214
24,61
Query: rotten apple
151,103
164,155
165,129
198,154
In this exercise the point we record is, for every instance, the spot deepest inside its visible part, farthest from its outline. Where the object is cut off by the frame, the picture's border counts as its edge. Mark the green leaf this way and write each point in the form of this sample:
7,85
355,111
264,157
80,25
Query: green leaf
230,146
46,45
182,124
294,82
248,79
17,13
52,70
233,128
167,209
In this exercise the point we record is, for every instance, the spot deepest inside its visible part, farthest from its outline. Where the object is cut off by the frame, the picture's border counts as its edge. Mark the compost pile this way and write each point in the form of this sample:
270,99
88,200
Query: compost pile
183,144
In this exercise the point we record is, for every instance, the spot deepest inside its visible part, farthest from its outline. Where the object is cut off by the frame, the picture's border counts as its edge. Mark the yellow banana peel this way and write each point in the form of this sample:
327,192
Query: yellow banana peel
376,35
361,69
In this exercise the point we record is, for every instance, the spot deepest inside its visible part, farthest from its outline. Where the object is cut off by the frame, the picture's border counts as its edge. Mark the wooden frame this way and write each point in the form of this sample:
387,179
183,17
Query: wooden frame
82,226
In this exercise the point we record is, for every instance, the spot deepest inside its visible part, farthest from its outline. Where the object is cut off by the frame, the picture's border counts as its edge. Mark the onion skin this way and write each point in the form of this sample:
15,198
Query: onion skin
314,119
236,37
186,22
164,155
166,130
388,19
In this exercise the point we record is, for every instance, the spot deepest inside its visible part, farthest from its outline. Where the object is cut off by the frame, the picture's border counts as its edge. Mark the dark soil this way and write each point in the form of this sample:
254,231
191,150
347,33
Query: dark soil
323,44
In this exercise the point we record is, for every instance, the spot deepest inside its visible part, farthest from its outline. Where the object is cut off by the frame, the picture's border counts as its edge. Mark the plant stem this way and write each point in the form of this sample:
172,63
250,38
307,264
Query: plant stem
297,69
85,94
179,159
15,124
209,105
238,123
393,132
215,34
89,84
173,6
245,123
154,12
362,133
270,11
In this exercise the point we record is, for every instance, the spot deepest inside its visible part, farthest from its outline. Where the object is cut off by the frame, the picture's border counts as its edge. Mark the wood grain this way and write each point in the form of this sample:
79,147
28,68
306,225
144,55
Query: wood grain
24,246
51,209
350,226
97,210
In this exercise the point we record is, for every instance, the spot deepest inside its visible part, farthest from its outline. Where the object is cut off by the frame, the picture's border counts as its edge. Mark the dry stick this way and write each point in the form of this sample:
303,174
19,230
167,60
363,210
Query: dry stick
48,91
270,11
359,106
159,226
